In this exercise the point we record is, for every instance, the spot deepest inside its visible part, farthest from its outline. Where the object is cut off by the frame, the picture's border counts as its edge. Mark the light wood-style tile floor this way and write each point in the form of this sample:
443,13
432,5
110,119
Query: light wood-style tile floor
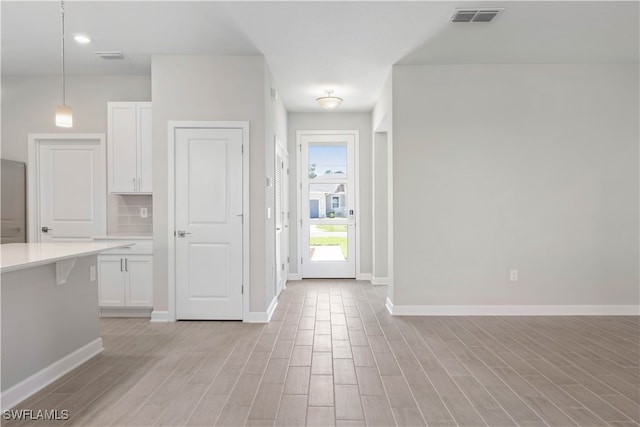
332,355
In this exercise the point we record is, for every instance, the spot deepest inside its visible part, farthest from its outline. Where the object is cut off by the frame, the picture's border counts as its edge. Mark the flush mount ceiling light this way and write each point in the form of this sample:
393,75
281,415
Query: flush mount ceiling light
64,113
329,102
81,38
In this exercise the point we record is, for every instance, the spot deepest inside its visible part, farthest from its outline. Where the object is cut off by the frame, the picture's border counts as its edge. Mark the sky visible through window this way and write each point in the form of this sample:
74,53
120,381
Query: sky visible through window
327,159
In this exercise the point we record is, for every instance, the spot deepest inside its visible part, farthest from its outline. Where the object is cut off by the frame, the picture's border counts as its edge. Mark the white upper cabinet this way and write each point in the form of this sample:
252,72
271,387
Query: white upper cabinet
129,147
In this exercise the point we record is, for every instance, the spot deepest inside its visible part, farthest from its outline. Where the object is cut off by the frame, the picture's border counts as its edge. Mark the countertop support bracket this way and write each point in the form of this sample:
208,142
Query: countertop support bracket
63,269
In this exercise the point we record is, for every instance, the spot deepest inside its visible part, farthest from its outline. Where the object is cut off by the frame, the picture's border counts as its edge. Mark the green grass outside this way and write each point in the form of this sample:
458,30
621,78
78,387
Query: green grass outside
331,228
330,241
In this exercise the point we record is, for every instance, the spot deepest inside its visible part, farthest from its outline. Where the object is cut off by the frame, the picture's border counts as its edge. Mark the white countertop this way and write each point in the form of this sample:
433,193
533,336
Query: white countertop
19,256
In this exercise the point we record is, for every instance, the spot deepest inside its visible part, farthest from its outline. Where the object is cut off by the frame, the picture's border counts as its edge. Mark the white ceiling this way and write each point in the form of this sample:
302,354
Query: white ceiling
312,46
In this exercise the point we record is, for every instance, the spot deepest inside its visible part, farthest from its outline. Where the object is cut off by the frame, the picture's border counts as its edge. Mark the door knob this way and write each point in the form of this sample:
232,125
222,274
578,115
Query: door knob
46,229
181,233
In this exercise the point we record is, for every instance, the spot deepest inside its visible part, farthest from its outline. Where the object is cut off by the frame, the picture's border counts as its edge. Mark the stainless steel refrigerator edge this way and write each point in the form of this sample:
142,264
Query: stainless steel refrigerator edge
13,203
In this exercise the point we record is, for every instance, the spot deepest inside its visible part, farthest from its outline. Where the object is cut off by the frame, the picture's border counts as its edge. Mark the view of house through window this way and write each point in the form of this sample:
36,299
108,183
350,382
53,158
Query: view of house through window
328,201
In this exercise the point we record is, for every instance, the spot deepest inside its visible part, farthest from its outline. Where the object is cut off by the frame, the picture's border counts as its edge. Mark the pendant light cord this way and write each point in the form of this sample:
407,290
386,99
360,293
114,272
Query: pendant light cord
64,89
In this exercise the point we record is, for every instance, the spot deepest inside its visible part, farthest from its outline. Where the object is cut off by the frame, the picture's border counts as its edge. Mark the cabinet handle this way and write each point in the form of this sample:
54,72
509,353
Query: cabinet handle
126,264
121,265
134,184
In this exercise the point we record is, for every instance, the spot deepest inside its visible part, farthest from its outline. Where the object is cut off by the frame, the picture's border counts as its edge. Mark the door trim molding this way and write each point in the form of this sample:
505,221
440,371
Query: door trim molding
33,168
173,126
356,159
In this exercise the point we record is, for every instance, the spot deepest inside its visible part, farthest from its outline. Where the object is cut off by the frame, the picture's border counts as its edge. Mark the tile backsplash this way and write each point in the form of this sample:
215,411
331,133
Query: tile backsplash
124,214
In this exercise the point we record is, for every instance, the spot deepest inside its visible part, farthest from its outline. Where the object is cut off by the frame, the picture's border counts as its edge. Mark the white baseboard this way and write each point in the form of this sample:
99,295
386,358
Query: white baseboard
46,376
378,281
125,312
513,310
389,305
262,316
294,276
363,276
159,316
272,308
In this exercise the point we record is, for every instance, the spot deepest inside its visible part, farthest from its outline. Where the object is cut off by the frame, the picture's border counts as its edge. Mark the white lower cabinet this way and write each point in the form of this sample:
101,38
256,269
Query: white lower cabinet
125,278
125,281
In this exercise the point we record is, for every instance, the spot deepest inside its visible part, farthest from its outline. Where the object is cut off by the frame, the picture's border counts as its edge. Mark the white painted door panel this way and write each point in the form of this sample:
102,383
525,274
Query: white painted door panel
72,194
139,287
111,279
208,197
122,135
281,217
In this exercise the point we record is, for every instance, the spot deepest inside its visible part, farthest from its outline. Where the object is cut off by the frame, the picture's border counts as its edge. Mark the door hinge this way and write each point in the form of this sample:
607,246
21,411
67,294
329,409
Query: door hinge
282,165
301,260
300,147
287,171
242,149
287,260
242,289
283,267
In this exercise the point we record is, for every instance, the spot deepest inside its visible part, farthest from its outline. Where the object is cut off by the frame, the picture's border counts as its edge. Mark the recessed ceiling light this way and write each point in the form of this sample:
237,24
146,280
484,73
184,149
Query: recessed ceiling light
81,38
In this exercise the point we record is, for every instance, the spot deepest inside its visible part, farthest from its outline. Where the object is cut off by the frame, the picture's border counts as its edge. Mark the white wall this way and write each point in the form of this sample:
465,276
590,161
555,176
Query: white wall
215,88
382,239
528,167
335,121
275,125
28,106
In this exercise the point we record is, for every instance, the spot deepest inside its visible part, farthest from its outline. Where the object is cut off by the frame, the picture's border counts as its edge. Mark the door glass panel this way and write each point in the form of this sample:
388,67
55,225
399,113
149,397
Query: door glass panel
327,161
328,242
328,201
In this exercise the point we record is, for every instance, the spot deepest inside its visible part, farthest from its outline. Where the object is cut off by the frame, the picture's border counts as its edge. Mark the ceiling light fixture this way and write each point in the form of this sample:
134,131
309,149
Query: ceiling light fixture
64,113
329,102
81,38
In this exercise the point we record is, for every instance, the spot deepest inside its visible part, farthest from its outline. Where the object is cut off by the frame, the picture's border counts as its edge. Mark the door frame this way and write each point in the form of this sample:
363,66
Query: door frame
173,126
284,195
356,159
33,175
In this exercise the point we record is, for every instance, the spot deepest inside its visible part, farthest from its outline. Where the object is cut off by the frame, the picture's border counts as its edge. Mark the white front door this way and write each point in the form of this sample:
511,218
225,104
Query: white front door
327,192
71,189
208,220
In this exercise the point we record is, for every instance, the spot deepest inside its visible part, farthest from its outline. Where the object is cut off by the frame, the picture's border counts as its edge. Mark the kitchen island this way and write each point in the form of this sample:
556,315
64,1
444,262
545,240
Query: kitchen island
49,313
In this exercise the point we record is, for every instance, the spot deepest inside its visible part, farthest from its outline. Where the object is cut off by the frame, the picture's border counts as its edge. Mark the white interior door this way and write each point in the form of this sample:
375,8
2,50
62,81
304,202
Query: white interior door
71,189
327,193
208,219
281,216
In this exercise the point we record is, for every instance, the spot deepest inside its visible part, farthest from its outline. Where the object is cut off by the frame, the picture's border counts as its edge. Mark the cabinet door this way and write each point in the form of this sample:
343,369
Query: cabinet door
121,147
144,147
111,281
139,288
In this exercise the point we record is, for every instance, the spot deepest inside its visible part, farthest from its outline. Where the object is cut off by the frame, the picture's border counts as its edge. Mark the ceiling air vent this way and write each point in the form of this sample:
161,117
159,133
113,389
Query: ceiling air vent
110,54
475,15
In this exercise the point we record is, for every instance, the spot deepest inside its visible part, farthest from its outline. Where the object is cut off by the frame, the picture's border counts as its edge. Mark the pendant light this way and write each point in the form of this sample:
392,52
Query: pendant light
329,102
64,113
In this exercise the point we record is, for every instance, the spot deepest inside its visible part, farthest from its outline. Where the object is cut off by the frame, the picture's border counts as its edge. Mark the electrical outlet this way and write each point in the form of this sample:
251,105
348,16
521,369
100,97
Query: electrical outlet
513,275
143,212
92,273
